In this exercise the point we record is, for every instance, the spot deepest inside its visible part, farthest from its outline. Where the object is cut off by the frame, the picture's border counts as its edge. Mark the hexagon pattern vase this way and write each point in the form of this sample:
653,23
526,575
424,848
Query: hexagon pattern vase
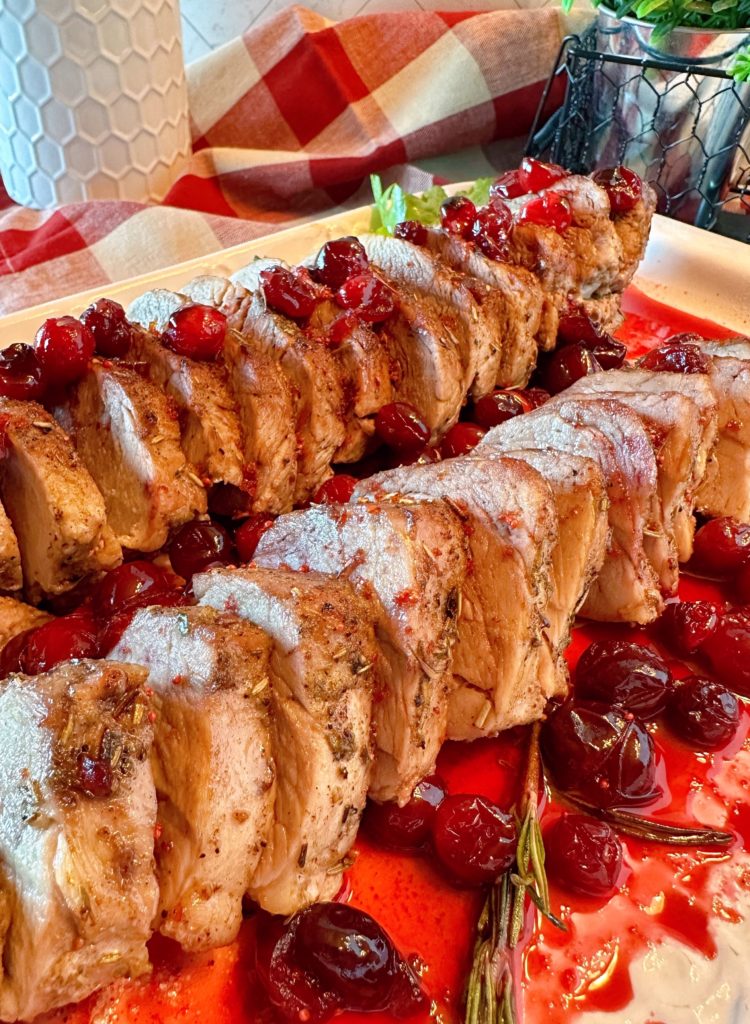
93,101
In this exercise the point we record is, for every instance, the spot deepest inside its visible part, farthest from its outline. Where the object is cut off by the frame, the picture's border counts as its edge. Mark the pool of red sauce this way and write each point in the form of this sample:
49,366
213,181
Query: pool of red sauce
563,974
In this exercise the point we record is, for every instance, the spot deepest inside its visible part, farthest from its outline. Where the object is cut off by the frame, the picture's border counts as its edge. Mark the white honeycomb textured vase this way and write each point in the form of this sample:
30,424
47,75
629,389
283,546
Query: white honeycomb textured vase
93,101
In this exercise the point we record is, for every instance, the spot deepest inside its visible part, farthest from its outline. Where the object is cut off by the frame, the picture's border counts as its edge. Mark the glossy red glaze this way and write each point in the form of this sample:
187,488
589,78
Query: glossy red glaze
535,175
461,439
21,373
583,855
131,585
704,713
72,636
567,365
411,231
721,547
676,358
507,186
112,333
473,838
728,649
370,298
64,348
407,827
625,674
685,625
575,328
400,426
491,410
247,536
549,210
197,546
288,292
196,331
457,216
94,775
337,490
339,260
623,187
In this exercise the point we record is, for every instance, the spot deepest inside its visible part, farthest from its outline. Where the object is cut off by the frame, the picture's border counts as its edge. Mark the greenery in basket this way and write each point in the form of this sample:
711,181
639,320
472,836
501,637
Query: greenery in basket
665,15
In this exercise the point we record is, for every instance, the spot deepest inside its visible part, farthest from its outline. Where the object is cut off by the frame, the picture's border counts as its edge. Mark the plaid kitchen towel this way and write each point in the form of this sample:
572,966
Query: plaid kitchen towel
288,121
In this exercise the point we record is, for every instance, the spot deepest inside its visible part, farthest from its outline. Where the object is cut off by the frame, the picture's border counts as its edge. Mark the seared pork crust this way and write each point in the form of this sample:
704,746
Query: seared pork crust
16,617
10,557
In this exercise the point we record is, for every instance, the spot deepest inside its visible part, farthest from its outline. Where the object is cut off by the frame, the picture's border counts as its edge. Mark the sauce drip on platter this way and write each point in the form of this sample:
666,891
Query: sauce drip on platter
664,892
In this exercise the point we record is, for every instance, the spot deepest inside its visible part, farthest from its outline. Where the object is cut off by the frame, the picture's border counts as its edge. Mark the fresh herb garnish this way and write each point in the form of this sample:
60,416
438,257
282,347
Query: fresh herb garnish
666,15
392,205
740,70
654,831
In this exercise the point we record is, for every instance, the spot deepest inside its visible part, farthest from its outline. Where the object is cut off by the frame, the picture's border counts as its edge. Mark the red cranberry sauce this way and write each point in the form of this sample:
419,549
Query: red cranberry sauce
21,373
196,331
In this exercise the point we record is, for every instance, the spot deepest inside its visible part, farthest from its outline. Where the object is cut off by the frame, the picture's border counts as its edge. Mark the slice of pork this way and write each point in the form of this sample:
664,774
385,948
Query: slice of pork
77,819
411,555
11,577
518,313
57,512
633,229
504,666
16,617
725,490
582,505
593,237
627,588
324,667
212,761
477,327
128,436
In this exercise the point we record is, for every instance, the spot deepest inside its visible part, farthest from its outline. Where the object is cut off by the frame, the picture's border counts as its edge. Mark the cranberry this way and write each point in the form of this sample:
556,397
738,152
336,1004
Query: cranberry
230,501
676,358
12,653
368,296
535,175
549,210
491,231
622,185
339,260
291,989
704,712
411,231
64,347
72,636
624,674
196,331
457,215
721,547
20,373
131,585
603,755
288,293
407,827
107,322
400,426
94,775
424,457
507,186
686,625
567,365
247,537
577,328
583,855
473,838
197,546
491,410
742,584
460,439
728,649
336,491
533,398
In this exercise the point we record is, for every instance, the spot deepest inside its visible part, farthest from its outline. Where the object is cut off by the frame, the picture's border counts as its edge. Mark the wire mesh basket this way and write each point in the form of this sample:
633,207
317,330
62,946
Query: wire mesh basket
681,124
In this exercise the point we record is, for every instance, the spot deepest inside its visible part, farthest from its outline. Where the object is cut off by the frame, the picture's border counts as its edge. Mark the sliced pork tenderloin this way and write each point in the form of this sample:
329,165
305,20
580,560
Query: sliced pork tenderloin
77,819
504,666
212,760
11,577
593,237
127,434
627,588
55,508
16,617
324,670
633,229
411,556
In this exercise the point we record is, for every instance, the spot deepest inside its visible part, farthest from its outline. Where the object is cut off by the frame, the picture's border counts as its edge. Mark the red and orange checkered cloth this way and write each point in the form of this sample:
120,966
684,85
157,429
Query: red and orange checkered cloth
288,122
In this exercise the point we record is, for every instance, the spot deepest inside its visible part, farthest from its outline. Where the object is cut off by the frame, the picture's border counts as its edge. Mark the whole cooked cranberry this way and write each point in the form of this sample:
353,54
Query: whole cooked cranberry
106,320
624,674
400,426
247,536
21,373
549,210
533,398
460,439
64,347
131,585
288,292
473,838
721,547
491,231
623,187
491,410
351,954
369,297
507,186
196,331
411,231
685,625
704,712
535,175
339,260
583,855
197,546
567,365
601,754
457,216
577,328
424,457
728,649
337,490
676,358
407,827
12,652
72,636
291,989
94,776
742,584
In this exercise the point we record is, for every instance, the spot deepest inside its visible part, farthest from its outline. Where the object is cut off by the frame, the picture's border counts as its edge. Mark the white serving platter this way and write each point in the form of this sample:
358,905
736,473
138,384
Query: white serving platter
696,271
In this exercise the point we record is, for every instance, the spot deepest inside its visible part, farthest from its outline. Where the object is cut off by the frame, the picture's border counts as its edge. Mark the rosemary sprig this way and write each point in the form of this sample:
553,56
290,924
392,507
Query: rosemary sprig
655,831
490,997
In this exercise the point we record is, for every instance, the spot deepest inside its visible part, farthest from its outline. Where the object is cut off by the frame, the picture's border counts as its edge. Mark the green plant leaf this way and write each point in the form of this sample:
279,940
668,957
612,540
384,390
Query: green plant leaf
740,70
479,193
